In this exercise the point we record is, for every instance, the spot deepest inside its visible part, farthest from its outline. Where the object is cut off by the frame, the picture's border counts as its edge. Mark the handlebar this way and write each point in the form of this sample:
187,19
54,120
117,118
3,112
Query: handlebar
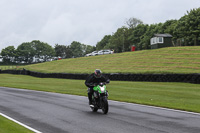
95,84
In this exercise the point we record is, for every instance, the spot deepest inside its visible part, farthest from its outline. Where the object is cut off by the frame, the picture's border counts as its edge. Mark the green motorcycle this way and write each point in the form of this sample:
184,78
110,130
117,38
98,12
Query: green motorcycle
100,98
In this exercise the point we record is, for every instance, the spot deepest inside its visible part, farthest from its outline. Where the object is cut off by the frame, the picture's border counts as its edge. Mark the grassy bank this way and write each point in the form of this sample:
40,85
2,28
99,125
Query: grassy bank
164,60
183,96
5,67
8,126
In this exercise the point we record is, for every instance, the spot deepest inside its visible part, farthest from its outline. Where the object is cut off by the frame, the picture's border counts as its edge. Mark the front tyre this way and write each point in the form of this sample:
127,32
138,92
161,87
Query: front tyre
94,109
105,106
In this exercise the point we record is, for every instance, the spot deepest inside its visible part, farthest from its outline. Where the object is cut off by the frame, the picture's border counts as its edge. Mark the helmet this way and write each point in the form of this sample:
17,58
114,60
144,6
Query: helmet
97,73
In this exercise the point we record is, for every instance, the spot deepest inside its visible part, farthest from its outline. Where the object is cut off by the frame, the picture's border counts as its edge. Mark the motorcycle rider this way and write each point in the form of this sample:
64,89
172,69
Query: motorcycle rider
93,80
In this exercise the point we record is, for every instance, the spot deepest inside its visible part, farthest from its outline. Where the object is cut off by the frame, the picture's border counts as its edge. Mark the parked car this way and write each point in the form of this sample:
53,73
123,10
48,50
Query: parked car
88,54
101,52
107,51
112,51
94,53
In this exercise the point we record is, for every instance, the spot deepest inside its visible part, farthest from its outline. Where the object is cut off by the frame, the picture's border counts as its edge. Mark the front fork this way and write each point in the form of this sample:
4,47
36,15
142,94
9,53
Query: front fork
99,99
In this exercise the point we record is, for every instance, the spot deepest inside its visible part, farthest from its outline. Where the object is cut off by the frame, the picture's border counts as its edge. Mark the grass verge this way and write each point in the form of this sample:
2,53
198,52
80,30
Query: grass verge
5,67
163,60
8,126
183,96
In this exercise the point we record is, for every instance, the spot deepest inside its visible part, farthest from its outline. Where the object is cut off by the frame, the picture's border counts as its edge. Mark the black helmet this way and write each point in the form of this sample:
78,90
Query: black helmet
97,73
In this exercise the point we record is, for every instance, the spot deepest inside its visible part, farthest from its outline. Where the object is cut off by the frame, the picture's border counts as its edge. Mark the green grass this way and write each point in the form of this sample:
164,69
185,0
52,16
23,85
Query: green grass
8,126
5,67
183,96
164,60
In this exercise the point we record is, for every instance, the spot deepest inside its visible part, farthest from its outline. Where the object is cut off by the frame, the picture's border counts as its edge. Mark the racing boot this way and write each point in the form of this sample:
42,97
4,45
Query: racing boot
90,100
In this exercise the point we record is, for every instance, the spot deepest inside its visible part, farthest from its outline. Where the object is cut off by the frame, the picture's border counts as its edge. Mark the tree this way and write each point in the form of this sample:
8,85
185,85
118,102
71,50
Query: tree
137,34
38,49
180,32
133,22
43,50
26,52
193,24
89,49
100,45
69,53
119,40
61,50
187,30
169,26
8,54
77,49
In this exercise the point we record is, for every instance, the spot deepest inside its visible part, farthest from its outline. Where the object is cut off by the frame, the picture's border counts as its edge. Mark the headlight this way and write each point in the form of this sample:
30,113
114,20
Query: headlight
102,89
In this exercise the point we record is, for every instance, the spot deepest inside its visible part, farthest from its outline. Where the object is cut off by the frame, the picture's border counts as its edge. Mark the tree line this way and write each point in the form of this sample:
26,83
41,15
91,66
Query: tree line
185,32
28,52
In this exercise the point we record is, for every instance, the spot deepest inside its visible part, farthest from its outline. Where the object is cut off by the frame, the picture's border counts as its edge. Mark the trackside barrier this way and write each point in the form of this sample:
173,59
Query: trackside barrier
188,78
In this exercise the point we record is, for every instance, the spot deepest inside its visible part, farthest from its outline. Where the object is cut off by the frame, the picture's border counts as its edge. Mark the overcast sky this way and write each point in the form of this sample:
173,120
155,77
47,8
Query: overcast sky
86,21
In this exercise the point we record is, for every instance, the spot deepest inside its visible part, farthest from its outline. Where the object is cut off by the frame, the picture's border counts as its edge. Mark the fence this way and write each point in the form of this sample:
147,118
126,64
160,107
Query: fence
188,78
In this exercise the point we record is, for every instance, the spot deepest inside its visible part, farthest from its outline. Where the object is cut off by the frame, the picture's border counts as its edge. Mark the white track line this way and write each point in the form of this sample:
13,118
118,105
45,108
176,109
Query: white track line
36,131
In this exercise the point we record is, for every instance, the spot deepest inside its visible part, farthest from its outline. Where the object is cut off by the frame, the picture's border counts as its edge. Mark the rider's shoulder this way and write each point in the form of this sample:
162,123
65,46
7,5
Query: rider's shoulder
91,75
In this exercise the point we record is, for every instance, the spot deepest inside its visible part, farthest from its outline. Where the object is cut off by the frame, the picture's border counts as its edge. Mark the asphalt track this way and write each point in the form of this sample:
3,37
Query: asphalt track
60,113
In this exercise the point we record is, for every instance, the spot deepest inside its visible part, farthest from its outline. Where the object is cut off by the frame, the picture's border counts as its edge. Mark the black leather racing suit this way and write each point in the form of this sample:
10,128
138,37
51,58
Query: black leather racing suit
91,80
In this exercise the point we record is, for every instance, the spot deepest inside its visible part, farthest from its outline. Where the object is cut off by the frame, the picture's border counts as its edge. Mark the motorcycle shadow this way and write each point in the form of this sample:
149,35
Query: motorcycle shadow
91,113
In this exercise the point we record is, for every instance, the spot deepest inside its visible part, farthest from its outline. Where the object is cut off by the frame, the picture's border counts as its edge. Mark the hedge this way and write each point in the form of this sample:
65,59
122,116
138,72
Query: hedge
188,78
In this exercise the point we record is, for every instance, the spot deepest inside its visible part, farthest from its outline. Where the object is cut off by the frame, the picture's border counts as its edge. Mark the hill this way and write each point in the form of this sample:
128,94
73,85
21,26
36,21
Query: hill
164,60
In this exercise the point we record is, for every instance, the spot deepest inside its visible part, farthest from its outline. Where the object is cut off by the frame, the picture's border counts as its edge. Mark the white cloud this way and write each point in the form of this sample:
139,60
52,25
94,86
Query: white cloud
86,21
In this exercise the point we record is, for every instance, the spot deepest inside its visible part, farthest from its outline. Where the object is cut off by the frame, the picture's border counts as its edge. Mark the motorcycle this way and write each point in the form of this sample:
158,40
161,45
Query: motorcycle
99,98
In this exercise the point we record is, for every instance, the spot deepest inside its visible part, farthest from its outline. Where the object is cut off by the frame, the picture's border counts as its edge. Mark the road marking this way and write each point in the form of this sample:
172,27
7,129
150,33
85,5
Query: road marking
34,130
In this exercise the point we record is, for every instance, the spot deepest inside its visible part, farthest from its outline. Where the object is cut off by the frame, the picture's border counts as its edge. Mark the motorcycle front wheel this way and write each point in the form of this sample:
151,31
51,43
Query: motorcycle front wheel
105,106
95,108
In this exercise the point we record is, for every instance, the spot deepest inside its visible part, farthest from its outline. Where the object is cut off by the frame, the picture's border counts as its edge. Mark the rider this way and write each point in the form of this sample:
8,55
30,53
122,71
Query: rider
93,80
